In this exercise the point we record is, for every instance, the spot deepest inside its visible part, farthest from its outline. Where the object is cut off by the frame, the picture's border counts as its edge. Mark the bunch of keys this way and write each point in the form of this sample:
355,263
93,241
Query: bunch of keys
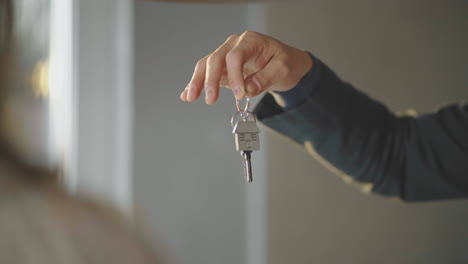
245,130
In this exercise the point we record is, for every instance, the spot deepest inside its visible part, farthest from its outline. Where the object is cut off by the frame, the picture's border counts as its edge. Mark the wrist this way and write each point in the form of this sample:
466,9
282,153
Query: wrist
303,89
305,62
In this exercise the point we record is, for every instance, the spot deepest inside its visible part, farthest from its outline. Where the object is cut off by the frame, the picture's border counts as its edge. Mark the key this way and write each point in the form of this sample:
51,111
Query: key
247,163
247,140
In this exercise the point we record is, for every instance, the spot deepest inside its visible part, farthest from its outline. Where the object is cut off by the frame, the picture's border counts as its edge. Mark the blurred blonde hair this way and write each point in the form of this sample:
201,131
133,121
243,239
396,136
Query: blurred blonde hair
39,222
42,224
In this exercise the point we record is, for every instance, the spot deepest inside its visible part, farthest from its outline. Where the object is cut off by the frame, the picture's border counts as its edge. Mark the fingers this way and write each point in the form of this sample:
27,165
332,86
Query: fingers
215,66
261,80
273,75
224,82
254,87
234,65
183,95
247,47
228,66
196,83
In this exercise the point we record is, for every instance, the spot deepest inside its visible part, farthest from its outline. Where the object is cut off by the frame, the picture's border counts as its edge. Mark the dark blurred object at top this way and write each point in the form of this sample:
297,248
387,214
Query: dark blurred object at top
212,1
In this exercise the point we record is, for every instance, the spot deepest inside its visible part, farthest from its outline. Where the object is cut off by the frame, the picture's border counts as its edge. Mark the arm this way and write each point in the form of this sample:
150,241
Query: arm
414,158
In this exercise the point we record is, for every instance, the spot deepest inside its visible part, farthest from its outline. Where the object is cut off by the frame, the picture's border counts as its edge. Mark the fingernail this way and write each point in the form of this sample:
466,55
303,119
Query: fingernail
237,92
190,95
252,88
181,95
208,95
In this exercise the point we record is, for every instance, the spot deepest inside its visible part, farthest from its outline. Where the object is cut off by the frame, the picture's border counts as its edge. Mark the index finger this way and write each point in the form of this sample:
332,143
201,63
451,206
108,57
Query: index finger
235,60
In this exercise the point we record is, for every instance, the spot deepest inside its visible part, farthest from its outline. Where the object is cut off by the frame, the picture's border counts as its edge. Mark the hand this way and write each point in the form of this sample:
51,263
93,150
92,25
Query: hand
250,62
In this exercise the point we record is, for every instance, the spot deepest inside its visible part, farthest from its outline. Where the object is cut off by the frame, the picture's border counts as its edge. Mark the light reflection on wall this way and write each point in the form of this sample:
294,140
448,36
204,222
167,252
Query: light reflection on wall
40,79
61,90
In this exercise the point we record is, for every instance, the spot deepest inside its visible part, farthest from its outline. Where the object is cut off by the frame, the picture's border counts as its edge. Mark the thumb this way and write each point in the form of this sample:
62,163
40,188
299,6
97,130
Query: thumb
260,81
253,86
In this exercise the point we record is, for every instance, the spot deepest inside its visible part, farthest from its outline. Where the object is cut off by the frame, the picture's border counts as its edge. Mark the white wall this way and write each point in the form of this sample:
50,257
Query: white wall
188,180
101,118
408,54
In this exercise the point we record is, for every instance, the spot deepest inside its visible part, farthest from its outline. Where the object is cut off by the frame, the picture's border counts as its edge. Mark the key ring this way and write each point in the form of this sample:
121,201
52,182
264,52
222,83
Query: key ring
247,104
244,115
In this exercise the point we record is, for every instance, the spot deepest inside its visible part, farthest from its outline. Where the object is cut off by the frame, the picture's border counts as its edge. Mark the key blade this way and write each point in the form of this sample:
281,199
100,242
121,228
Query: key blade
246,158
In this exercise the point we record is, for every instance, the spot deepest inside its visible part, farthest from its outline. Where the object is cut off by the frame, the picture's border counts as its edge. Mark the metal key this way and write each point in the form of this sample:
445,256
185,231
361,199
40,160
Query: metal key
247,163
247,140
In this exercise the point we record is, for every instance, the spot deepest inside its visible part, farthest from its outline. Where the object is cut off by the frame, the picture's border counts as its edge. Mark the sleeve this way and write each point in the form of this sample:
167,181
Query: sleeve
414,158
294,97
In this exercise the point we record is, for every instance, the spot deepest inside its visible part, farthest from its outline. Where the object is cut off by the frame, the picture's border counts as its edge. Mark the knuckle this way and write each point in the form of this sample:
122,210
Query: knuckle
262,81
283,68
232,37
251,39
200,62
233,55
249,34
213,59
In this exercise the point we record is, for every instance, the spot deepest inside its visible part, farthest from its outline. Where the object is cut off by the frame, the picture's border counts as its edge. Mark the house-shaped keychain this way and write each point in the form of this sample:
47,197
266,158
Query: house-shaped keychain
246,136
